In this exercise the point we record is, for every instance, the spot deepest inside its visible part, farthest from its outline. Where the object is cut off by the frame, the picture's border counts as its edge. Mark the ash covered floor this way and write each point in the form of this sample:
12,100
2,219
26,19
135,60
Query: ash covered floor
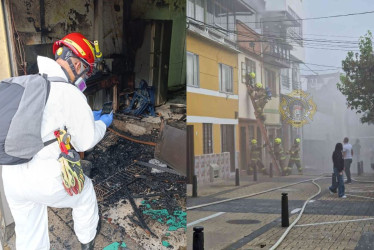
159,198
158,220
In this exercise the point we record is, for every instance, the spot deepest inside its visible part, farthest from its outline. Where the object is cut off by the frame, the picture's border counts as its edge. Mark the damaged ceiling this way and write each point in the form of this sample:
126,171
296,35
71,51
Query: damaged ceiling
45,21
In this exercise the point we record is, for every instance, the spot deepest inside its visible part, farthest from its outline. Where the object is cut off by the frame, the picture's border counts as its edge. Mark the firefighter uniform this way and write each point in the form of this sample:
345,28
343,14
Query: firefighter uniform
280,155
295,157
255,155
260,100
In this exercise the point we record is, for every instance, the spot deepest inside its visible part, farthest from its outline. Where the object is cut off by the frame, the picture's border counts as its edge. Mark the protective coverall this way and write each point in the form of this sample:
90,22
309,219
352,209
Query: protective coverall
295,158
31,187
281,157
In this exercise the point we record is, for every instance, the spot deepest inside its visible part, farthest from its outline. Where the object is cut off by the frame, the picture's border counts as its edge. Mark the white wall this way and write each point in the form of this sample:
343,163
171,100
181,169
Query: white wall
298,52
282,5
275,5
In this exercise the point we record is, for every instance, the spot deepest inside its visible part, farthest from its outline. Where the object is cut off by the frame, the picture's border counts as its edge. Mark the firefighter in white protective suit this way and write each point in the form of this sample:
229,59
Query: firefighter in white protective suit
31,187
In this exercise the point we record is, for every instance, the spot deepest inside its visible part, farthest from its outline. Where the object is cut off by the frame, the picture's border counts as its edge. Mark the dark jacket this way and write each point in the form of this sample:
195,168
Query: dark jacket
337,159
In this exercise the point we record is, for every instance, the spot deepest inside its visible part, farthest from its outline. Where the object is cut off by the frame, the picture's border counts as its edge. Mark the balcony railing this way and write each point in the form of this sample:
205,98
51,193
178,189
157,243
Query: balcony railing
278,54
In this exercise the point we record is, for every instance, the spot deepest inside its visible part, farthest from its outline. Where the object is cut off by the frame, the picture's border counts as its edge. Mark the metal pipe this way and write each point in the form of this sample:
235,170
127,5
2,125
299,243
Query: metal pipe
285,215
198,238
194,186
237,177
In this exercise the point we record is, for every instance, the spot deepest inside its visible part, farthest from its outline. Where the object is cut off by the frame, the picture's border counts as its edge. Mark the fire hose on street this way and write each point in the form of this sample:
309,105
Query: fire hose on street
298,217
251,195
270,190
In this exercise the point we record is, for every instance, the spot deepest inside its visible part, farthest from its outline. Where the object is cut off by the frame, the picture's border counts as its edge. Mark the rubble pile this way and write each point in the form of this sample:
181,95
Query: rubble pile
148,205
107,160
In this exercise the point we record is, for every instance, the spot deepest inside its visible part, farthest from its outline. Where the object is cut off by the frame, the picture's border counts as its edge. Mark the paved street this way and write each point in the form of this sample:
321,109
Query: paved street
328,222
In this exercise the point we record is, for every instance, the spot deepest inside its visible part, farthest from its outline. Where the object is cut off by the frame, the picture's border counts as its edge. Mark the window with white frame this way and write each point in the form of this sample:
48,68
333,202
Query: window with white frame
226,78
195,9
193,78
248,67
270,81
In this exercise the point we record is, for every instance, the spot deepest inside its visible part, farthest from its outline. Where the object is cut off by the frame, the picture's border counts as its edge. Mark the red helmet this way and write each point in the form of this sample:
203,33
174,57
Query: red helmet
81,47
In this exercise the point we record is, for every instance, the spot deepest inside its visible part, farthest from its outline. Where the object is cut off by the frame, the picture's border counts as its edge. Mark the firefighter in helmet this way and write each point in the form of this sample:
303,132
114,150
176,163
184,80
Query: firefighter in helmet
255,155
280,155
295,157
260,99
250,79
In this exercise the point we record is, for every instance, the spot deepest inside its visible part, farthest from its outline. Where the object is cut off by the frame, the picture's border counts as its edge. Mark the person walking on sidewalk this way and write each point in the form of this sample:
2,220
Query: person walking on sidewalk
347,156
337,177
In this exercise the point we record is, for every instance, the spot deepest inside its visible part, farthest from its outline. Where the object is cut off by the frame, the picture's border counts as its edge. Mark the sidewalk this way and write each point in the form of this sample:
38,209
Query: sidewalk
328,222
220,185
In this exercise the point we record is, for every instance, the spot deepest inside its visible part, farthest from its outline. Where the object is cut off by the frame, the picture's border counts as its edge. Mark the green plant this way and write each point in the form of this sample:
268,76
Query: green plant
357,84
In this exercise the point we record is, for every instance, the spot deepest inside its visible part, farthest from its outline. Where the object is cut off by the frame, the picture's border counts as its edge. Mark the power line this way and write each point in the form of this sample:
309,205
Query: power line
295,43
221,29
310,18
320,35
323,65
285,37
296,61
273,36
323,48
342,42
319,69
326,17
311,69
304,34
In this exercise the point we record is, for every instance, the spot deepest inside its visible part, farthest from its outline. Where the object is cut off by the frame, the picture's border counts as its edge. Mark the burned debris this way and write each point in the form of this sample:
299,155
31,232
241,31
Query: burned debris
127,178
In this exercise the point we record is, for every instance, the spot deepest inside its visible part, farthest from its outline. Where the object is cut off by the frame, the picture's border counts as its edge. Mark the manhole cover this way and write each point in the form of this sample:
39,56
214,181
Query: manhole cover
243,221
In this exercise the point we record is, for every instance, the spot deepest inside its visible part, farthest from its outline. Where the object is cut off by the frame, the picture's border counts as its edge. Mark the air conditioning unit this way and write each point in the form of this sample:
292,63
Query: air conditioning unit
214,171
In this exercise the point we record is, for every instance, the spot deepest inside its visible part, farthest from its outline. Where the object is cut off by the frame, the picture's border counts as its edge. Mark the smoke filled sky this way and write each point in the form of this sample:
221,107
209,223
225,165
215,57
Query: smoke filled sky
348,28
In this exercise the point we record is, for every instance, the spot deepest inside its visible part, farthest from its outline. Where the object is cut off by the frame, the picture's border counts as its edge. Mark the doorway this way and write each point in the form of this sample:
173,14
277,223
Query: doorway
243,148
228,143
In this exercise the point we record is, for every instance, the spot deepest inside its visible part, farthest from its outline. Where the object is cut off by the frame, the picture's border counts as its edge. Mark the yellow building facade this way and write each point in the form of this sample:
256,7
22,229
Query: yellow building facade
212,109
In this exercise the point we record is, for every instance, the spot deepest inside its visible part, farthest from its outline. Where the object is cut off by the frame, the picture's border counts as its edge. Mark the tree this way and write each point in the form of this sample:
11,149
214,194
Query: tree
358,82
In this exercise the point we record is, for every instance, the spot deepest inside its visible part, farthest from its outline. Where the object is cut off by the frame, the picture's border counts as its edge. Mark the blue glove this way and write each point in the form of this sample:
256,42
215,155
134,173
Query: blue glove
107,119
97,114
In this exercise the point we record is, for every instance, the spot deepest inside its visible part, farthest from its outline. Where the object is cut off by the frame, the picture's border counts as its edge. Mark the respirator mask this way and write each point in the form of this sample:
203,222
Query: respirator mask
82,77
